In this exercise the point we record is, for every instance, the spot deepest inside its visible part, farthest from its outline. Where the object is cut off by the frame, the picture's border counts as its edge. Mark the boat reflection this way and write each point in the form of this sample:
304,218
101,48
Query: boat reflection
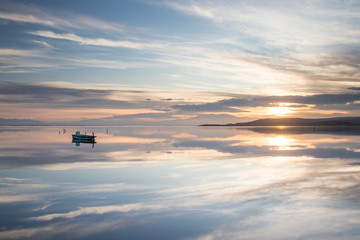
77,142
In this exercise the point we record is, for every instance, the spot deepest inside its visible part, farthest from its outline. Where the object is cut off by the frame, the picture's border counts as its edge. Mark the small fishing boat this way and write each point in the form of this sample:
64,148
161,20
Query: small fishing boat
78,136
83,138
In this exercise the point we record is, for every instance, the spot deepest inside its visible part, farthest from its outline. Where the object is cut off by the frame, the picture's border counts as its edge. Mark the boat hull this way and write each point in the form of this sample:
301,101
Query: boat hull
83,138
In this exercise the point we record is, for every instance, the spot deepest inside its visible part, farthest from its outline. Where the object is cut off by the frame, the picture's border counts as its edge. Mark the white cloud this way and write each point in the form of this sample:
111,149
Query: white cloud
307,39
98,210
61,20
25,61
19,61
18,52
197,10
19,198
26,18
44,44
88,41
23,233
111,64
270,20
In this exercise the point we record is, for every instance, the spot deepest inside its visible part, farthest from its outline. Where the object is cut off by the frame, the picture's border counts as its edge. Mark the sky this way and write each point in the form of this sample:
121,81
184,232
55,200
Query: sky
178,62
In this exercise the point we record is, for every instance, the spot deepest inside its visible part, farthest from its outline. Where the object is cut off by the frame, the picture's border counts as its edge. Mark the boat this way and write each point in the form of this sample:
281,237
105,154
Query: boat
83,138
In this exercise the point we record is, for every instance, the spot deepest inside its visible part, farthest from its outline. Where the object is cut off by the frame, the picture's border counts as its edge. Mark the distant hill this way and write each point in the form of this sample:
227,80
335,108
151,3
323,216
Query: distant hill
337,121
20,122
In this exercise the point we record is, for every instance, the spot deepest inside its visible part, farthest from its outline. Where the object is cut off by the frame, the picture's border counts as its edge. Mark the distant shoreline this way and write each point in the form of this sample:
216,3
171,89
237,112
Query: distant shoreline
296,122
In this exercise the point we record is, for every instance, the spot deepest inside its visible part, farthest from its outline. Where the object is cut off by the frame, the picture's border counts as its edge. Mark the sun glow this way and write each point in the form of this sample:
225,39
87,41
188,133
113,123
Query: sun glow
280,143
279,111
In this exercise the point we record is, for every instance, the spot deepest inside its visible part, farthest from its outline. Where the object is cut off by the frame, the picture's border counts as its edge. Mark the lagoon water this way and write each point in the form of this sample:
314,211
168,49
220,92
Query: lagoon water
180,183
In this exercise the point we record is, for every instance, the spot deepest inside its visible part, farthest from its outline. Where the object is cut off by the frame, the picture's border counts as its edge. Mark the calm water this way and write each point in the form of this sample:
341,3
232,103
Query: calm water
180,183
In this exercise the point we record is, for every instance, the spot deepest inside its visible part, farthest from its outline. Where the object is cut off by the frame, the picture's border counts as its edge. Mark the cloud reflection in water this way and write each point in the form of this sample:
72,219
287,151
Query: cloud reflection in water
180,183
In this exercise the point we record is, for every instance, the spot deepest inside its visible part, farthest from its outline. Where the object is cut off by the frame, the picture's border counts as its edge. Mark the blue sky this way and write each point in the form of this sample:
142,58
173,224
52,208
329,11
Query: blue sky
178,60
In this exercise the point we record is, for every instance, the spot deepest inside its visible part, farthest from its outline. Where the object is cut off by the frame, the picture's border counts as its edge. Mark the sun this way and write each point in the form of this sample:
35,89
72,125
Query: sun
279,111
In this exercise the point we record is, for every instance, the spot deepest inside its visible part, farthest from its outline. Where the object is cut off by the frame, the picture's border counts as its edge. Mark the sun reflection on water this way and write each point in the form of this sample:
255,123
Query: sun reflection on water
281,143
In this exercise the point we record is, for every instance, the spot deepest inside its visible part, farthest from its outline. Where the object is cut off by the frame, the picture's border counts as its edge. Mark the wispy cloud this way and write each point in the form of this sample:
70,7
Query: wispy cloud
295,37
60,97
18,52
26,18
281,22
24,233
89,41
23,60
266,101
29,13
111,64
99,210
44,44
194,8
19,198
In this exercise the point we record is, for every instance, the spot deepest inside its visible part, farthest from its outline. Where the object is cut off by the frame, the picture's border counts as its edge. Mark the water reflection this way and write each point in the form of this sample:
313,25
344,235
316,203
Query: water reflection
84,141
308,130
180,183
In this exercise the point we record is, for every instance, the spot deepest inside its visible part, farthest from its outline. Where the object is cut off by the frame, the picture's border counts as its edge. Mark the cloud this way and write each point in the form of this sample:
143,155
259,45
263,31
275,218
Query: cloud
354,88
206,107
26,18
9,88
262,64
163,119
295,37
289,22
19,198
22,60
44,44
196,9
18,52
60,97
29,13
24,233
89,41
160,110
110,64
98,210
276,43
267,101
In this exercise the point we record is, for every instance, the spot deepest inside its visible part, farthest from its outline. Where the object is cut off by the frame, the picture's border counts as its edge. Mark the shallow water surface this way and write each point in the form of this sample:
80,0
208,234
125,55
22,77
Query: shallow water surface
180,183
